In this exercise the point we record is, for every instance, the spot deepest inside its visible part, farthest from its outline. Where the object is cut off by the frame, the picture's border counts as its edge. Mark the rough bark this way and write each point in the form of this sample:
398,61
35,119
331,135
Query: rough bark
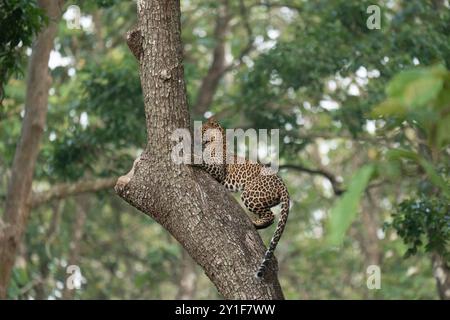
195,209
17,204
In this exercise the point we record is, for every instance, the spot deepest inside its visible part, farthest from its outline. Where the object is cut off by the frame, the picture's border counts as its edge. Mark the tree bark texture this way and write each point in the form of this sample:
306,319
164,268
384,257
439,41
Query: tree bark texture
17,204
190,204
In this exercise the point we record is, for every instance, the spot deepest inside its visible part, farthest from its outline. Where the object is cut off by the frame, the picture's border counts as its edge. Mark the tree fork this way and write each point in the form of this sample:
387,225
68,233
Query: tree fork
190,204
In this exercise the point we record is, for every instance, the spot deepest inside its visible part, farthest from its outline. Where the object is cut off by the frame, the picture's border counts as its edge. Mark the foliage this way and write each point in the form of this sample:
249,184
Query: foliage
421,97
346,209
331,42
20,21
424,221
105,92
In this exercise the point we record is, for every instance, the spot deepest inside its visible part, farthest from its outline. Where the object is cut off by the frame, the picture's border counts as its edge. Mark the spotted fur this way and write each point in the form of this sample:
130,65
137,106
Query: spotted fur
261,188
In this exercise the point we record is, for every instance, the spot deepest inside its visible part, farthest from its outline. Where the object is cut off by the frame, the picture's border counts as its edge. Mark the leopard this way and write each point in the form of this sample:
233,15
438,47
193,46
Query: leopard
261,187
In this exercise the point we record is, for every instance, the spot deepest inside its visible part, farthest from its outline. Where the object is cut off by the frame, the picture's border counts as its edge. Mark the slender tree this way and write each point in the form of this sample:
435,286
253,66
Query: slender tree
82,206
18,197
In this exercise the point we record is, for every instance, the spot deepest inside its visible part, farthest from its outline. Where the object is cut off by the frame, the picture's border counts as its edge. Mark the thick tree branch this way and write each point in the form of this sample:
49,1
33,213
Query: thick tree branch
189,203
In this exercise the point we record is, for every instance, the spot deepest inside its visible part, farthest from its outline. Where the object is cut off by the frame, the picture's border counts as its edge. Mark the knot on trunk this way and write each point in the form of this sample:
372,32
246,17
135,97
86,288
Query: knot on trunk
134,41
123,181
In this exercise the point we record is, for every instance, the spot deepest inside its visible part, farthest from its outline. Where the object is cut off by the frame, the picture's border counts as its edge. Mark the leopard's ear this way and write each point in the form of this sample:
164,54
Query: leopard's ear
212,120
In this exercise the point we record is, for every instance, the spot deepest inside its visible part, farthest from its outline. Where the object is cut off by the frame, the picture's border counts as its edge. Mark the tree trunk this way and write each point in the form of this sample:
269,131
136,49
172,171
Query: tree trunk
370,243
17,204
81,210
45,260
190,204
441,272
205,95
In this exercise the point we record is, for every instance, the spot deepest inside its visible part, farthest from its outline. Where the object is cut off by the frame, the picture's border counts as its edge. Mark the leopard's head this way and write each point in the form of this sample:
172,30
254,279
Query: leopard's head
210,129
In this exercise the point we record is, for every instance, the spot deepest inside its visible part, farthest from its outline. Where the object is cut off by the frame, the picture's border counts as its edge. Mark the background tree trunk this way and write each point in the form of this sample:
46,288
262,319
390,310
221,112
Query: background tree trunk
370,243
441,272
195,209
50,237
17,205
82,205
217,68
64,190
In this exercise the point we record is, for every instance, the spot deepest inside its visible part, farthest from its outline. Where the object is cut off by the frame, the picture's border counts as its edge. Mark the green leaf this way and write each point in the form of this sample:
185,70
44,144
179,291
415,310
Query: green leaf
398,84
20,275
442,132
417,87
443,100
435,178
422,91
396,154
344,211
389,107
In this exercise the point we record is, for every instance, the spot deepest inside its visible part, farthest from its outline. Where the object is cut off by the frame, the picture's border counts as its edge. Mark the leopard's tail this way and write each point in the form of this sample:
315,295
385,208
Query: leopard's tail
284,200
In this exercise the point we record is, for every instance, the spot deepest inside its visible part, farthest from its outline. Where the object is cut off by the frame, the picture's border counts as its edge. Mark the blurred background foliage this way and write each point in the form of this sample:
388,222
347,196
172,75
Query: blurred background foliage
361,111
27,19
